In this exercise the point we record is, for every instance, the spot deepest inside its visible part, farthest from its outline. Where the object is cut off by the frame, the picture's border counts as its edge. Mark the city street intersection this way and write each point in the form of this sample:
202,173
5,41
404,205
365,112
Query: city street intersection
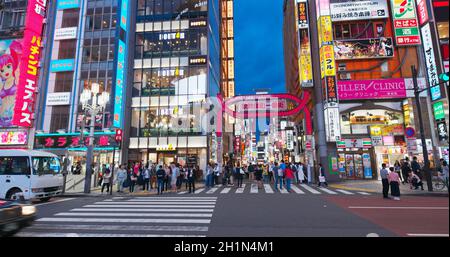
308,211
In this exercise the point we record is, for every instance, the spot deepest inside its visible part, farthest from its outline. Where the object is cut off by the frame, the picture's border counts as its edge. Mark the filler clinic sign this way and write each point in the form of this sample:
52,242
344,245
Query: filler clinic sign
27,86
372,89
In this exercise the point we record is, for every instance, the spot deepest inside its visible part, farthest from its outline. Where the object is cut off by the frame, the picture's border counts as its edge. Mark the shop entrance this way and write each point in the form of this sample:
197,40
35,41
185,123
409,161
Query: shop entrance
166,158
354,168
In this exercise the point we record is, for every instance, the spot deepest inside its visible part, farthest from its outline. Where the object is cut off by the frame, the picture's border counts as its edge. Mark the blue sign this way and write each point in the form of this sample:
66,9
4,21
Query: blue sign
124,15
367,167
62,65
120,77
68,4
435,93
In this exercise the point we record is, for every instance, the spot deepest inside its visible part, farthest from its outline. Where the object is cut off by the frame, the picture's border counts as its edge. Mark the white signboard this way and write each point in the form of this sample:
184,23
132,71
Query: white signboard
66,33
345,10
430,60
58,99
290,139
332,125
377,140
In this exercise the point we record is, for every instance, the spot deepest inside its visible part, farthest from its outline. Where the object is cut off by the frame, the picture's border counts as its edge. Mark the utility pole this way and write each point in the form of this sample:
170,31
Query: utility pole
426,167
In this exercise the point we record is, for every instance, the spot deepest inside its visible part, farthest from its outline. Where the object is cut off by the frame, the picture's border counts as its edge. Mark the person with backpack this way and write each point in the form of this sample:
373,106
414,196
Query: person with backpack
160,177
289,174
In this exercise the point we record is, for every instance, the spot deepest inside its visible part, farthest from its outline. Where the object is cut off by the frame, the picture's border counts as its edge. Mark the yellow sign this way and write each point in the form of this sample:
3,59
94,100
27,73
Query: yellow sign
328,63
305,68
163,148
387,130
326,30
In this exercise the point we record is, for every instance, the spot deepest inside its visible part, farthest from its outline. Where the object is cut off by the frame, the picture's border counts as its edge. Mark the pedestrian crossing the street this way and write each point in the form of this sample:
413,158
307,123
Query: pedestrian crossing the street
252,188
156,216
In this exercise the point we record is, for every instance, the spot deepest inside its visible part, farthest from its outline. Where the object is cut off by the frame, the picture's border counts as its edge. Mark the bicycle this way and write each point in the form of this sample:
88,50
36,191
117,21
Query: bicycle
440,183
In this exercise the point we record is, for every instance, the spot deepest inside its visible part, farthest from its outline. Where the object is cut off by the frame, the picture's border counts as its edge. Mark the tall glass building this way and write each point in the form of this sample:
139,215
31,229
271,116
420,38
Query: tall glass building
176,68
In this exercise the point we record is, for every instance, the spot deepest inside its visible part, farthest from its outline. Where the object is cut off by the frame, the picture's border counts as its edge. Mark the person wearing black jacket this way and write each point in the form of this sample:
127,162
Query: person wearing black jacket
160,174
191,179
415,166
405,170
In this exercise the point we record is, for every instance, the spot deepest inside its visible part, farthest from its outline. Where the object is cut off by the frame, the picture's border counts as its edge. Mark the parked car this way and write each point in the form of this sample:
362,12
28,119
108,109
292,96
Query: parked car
14,216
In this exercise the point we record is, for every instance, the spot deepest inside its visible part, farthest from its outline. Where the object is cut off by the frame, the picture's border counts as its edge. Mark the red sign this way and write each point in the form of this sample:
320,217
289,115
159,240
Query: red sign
27,85
422,11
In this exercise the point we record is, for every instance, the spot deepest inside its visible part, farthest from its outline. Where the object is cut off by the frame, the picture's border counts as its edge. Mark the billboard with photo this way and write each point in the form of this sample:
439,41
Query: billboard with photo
10,54
364,48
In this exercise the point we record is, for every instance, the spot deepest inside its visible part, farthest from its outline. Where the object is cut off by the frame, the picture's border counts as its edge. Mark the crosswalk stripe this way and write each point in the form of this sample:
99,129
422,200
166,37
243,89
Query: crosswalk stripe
170,199
345,192
212,190
157,202
284,191
254,189
120,220
37,234
241,189
199,190
363,193
297,190
93,214
182,193
50,226
140,210
167,198
310,189
268,189
149,206
226,190
328,191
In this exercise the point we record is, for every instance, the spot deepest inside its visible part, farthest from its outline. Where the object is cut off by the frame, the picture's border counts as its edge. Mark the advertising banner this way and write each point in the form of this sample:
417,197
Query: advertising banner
328,65
367,167
72,141
345,10
371,89
10,59
364,48
305,62
438,110
405,22
13,137
331,90
66,33
442,131
62,65
118,100
62,98
430,62
422,11
302,14
28,67
333,131
326,30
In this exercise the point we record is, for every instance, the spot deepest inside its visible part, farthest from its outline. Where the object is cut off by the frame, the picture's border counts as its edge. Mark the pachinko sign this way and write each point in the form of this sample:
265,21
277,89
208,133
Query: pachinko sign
27,84
13,137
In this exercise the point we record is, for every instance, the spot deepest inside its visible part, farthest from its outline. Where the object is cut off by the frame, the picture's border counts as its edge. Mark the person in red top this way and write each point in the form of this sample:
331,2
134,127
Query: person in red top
289,177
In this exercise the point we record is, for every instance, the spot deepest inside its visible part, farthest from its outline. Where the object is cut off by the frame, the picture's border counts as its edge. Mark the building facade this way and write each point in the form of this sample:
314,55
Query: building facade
372,54
176,68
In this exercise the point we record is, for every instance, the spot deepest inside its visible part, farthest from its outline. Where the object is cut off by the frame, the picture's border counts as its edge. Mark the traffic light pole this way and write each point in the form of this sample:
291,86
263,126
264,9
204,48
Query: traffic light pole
112,170
426,160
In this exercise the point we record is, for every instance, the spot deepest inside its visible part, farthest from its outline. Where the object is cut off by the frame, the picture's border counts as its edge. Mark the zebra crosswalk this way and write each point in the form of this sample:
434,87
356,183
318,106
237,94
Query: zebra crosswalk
252,188
130,217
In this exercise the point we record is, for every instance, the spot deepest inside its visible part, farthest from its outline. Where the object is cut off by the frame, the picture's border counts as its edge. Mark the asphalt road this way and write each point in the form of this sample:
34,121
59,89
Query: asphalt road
243,214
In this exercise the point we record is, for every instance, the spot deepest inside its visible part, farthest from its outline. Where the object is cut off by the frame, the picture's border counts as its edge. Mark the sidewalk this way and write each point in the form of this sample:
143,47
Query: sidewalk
375,186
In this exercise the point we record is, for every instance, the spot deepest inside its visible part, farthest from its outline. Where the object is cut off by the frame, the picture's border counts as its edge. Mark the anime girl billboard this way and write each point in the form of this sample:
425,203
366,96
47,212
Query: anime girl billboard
10,53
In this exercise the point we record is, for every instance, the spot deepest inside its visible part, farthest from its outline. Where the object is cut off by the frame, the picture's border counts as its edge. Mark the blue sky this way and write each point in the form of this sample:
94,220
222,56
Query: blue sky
258,45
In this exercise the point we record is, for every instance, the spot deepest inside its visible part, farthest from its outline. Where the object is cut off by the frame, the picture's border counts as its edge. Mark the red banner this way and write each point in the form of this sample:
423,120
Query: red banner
27,85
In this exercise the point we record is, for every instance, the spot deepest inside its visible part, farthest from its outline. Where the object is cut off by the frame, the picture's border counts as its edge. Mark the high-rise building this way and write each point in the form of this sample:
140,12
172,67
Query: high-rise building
176,68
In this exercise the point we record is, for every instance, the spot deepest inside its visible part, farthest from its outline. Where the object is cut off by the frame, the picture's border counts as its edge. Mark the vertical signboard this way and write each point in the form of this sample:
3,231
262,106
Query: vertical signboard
430,61
30,57
406,26
422,11
121,65
305,62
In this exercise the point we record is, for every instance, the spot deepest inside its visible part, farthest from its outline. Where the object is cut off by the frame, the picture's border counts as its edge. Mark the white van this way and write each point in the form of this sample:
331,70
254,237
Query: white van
33,174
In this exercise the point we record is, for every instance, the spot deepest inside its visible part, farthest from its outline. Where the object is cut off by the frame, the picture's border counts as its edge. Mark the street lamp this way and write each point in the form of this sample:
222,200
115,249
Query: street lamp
98,103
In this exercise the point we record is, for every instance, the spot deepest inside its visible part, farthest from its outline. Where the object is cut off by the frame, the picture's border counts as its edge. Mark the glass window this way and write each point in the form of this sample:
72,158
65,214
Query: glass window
14,166
46,166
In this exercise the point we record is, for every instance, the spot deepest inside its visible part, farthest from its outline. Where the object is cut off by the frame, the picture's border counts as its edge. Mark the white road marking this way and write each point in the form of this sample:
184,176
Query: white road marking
199,190
182,193
226,190
158,202
190,215
328,191
372,235
118,227
363,193
431,235
240,190
253,188
345,192
268,189
57,201
212,190
310,189
284,191
119,220
151,198
398,207
149,206
141,210
37,234
171,199
297,190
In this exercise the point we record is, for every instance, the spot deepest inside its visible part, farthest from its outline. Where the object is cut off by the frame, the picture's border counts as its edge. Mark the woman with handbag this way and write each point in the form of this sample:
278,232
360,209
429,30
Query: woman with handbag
322,178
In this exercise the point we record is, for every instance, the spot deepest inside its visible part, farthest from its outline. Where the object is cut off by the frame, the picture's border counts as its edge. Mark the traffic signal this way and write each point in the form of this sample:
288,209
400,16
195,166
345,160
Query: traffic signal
118,135
444,77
